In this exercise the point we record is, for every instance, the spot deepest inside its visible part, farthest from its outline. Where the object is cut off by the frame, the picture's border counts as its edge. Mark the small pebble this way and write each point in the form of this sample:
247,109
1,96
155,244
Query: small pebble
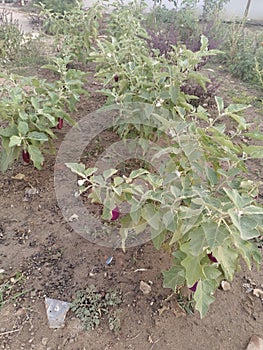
145,287
225,286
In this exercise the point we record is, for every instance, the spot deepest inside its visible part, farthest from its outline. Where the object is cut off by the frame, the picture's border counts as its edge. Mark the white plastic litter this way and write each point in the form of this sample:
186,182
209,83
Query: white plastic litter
56,312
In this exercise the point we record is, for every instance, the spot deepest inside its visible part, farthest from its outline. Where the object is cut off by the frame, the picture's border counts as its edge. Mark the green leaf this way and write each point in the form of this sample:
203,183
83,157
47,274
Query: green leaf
158,237
22,128
254,135
248,250
137,173
240,120
7,157
174,93
108,173
15,141
193,268
36,156
212,176
170,221
253,151
214,234
198,242
211,272
173,278
204,43
235,197
118,181
203,296
77,168
253,210
220,104
38,136
152,217
90,171
236,108
228,259
246,225
35,103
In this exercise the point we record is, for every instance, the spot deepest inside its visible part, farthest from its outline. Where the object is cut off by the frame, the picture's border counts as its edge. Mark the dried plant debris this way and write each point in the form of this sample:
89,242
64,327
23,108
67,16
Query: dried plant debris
253,287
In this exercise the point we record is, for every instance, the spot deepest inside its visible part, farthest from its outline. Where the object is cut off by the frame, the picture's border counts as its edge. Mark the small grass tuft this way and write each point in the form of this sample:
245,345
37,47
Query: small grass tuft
91,306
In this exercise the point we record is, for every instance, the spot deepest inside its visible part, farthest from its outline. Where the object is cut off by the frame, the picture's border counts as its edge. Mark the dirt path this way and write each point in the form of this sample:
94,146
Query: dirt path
21,17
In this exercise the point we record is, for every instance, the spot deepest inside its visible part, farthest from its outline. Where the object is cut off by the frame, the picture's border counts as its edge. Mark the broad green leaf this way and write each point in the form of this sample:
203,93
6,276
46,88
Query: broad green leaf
189,213
36,156
211,272
173,278
203,296
253,151
246,225
193,268
15,141
240,120
152,217
22,128
77,168
214,234
253,210
35,103
158,237
198,242
137,173
108,205
212,176
135,215
90,171
38,136
254,135
117,190
108,173
247,249
174,93
155,180
7,157
220,104
228,258
204,43
235,197
118,181
235,108
9,131
170,221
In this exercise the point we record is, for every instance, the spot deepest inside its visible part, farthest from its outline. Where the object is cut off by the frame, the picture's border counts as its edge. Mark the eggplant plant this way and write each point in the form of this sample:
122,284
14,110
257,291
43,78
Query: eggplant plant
30,109
201,203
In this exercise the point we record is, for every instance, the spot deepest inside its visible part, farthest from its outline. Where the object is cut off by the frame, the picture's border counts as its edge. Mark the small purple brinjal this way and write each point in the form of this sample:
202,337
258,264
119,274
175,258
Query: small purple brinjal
212,258
116,78
115,214
193,288
60,123
25,156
